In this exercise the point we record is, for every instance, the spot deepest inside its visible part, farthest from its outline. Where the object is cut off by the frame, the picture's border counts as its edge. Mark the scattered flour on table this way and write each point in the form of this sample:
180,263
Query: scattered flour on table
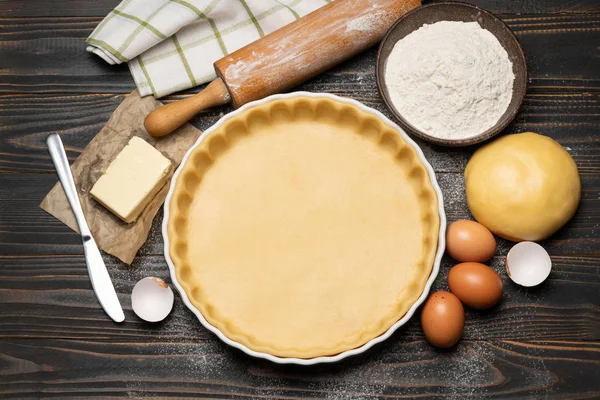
367,22
452,80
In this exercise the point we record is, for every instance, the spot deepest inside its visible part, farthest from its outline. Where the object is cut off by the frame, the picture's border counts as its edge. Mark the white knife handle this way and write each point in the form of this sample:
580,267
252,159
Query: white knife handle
101,282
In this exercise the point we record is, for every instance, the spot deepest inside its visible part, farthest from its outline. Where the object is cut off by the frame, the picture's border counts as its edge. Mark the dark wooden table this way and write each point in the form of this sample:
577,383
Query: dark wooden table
56,341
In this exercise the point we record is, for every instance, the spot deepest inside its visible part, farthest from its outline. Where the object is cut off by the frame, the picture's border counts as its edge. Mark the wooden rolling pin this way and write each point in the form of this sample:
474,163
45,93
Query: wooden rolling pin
287,57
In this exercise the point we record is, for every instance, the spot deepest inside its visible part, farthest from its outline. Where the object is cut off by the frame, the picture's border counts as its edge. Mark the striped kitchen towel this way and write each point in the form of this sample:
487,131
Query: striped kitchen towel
171,45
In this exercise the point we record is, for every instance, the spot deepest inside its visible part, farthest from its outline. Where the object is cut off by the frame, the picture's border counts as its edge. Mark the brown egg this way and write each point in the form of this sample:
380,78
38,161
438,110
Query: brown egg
476,285
469,241
443,319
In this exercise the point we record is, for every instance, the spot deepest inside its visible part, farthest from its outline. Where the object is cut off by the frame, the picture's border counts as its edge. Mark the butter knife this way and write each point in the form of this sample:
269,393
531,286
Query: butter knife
103,287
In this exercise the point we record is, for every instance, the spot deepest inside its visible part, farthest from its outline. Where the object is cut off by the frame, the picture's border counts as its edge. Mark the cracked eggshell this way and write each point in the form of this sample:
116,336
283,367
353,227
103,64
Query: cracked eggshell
152,299
528,264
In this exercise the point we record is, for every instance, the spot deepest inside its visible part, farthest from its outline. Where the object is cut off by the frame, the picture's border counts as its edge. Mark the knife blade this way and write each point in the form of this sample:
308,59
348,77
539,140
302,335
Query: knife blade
101,282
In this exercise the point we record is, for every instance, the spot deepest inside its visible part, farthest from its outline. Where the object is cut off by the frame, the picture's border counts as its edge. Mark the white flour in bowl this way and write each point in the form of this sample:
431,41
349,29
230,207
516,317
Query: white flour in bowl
451,80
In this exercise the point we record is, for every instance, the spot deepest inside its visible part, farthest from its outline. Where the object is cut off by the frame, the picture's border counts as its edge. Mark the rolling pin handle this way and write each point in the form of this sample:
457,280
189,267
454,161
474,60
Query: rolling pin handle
166,119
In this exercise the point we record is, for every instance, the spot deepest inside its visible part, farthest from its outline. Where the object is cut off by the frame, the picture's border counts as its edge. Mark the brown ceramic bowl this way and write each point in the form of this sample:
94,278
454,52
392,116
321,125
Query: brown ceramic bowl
453,11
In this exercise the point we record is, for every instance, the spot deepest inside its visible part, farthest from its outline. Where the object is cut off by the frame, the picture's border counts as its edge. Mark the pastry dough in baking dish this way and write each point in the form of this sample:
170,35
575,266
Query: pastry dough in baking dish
303,227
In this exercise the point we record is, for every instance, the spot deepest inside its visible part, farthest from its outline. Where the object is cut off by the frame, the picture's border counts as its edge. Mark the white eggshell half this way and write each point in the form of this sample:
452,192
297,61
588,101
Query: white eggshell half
152,299
528,264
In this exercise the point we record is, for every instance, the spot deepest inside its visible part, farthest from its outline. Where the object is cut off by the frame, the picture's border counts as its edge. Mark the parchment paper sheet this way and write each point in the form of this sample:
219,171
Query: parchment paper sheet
113,235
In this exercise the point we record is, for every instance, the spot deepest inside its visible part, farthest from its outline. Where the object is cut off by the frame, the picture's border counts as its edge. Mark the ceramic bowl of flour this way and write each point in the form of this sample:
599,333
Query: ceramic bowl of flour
451,73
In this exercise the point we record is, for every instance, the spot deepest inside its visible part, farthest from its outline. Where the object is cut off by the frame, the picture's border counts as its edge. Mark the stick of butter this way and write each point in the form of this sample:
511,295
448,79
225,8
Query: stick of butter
132,179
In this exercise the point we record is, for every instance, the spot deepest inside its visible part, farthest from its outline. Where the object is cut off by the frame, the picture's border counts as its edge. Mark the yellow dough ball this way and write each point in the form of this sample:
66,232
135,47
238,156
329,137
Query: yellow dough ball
522,187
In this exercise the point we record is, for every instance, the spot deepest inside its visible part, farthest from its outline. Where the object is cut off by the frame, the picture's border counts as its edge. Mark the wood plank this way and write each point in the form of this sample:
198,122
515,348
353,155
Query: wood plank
48,55
48,27
50,297
84,8
28,118
493,368
58,8
27,229
571,119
